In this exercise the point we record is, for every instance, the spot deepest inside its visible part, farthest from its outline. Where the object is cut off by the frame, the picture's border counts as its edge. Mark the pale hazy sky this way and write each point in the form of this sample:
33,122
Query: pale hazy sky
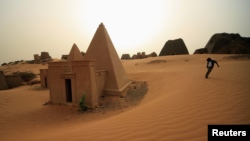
29,27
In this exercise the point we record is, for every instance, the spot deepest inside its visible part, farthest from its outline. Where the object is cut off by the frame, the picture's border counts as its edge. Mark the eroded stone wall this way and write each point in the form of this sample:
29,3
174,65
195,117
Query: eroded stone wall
44,78
3,82
225,43
125,57
13,80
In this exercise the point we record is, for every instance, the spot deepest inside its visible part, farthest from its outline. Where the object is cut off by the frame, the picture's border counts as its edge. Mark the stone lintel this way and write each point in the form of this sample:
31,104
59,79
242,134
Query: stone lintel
67,75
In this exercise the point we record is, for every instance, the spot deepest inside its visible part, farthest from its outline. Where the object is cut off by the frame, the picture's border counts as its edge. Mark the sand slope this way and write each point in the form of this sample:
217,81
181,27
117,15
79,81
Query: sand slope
179,105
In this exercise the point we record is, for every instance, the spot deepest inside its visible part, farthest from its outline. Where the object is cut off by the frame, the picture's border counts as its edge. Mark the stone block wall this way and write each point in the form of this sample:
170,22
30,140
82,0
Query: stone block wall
44,78
64,57
101,77
36,57
79,77
13,80
3,82
125,57
43,56
141,55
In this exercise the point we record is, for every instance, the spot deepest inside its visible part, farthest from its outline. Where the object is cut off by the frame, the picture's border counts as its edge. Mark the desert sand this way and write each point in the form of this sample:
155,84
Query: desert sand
179,105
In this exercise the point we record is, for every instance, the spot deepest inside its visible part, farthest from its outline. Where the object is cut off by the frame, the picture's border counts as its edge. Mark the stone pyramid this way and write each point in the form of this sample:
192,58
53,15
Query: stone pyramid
74,54
174,47
102,51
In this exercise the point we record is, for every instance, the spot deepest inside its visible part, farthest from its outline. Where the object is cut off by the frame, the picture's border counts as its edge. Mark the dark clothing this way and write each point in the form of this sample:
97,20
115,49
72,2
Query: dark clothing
212,61
209,69
210,66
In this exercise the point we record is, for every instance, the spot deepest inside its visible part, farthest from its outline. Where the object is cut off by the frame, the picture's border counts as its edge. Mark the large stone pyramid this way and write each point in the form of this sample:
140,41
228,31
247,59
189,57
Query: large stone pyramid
228,43
74,54
174,47
102,51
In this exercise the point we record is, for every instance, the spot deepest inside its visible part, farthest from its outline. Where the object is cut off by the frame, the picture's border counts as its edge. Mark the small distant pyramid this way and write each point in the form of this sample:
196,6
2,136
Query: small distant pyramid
74,54
102,51
174,47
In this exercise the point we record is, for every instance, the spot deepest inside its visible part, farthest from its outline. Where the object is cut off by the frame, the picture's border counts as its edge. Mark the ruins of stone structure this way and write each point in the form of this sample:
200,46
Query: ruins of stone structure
36,57
224,43
44,76
125,57
135,56
9,81
43,56
3,82
174,47
64,57
13,80
201,51
99,72
143,55
139,55
153,54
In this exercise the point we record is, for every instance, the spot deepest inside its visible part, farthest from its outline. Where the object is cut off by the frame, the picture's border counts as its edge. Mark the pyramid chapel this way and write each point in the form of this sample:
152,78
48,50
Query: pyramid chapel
99,72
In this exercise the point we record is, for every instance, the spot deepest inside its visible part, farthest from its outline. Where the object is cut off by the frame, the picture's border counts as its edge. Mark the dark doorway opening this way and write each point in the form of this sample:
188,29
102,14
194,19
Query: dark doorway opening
45,80
68,90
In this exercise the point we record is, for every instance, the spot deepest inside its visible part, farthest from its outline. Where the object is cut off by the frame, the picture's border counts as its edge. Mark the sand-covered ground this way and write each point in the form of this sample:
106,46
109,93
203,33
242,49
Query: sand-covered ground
179,105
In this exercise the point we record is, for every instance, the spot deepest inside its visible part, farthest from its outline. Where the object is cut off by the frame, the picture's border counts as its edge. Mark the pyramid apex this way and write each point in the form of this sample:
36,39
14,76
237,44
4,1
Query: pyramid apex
74,54
101,24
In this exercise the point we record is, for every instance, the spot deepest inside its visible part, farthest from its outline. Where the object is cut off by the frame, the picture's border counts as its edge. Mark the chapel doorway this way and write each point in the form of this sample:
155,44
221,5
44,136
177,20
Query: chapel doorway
68,89
45,80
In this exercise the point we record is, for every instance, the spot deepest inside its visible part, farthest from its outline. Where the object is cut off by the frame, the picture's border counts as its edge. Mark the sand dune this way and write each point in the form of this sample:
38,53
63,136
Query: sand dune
179,105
